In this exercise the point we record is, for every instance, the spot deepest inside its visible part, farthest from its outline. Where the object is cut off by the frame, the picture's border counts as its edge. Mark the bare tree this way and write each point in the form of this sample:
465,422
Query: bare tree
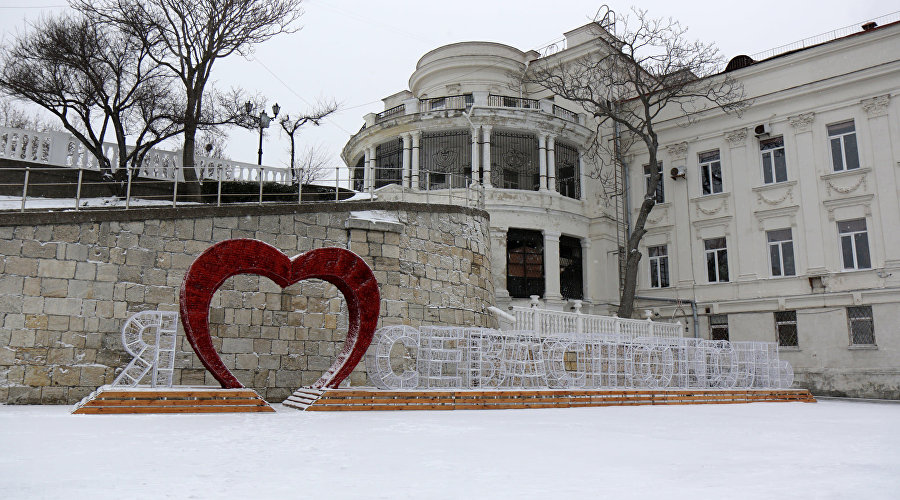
14,116
292,125
189,36
312,164
642,71
97,81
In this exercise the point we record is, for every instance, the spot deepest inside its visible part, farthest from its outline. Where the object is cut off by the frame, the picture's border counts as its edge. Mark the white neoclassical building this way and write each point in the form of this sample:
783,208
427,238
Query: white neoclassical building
782,224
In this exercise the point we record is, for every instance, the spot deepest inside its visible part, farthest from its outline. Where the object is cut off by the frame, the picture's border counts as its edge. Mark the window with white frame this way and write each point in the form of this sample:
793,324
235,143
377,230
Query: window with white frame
710,172
773,162
659,266
854,244
660,193
718,327
716,260
844,153
861,325
786,328
781,252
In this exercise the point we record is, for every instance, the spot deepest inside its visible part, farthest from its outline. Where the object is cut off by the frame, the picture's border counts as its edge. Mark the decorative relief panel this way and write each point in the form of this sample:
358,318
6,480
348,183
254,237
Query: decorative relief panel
778,195
847,183
714,206
737,137
677,151
802,122
659,216
876,106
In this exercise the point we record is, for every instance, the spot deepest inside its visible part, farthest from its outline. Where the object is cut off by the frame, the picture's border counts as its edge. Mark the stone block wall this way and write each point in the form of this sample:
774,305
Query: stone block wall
69,281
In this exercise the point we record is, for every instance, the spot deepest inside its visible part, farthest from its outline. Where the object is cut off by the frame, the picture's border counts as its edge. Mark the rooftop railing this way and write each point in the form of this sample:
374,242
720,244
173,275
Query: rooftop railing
390,113
449,102
503,101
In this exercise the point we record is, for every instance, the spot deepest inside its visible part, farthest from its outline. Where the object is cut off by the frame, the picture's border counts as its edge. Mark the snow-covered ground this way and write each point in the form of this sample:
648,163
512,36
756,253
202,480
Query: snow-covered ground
828,450
15,202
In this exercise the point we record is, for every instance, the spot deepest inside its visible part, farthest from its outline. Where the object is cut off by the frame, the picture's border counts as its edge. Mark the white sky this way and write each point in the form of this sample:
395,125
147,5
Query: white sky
360,51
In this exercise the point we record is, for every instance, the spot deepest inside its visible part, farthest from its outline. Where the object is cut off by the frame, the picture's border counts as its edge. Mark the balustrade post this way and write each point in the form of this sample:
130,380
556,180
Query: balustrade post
128,190
260,174
175,187
542,161
25,187
78,190
579,318
219,187
486,155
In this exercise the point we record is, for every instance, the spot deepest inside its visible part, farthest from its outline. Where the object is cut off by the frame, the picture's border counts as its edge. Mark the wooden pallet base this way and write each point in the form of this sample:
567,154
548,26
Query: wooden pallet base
118,400
373,399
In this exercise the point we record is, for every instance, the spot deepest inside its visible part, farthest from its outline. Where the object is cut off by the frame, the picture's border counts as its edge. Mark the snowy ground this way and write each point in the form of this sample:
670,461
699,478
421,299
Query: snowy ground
15,202
828,450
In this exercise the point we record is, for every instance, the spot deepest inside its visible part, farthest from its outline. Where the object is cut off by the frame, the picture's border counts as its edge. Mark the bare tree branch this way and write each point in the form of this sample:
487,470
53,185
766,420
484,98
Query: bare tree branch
639,73
292,125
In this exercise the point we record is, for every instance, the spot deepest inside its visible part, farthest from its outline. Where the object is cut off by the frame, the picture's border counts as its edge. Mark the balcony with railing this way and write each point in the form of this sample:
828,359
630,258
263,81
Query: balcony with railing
390,113
504,101
464,101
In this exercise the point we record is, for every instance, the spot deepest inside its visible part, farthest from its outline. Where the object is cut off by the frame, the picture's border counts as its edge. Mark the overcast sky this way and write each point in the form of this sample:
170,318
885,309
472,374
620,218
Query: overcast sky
360,51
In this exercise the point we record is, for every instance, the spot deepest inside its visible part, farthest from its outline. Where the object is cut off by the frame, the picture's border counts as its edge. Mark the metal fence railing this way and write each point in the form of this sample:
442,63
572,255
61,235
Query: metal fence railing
504,101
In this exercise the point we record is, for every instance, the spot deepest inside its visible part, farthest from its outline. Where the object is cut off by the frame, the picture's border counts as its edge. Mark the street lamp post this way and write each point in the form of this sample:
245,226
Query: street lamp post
264,121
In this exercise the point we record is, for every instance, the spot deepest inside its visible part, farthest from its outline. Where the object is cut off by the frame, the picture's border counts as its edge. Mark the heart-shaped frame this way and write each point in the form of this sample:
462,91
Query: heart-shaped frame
342,268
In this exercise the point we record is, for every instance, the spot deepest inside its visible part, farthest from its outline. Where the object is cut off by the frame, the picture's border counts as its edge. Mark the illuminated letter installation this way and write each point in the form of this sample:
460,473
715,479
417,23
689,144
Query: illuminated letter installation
342,268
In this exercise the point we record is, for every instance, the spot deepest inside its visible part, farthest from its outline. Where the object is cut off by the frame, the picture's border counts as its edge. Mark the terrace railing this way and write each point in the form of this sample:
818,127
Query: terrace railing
464,101
503,101
390,113
546,322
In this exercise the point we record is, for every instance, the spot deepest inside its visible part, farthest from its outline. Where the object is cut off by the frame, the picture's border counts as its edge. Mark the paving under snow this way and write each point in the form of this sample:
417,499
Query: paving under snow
830,450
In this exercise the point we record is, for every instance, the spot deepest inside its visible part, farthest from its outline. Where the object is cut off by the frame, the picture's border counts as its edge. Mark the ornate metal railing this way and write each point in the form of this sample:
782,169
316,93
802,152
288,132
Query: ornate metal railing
565,114
463,101
390,113
503,101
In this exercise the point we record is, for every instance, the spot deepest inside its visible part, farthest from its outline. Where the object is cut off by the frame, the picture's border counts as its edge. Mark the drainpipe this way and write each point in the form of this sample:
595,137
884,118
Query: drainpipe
693,304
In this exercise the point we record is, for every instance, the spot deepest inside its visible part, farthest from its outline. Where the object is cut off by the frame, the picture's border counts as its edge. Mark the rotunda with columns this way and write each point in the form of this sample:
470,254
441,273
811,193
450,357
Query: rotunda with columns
466,123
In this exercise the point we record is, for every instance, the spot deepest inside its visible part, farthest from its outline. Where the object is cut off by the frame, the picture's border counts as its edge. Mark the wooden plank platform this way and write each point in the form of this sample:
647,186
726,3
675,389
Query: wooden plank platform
374,399
119,400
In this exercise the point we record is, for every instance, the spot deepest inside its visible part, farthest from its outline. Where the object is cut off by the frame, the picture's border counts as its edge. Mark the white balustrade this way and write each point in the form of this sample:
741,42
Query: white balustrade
546,322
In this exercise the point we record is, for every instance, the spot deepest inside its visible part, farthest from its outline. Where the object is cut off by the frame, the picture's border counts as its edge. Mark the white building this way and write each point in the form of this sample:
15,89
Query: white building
785,224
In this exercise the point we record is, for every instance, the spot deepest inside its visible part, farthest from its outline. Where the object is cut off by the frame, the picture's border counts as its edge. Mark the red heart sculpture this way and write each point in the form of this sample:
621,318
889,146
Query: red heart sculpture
342,268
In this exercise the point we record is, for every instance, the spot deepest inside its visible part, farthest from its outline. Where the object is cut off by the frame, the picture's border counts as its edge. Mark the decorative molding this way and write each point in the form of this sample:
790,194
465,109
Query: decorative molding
848,189
663,213
876,106
802,122
863,200
788,194
677,151
790,212
737,137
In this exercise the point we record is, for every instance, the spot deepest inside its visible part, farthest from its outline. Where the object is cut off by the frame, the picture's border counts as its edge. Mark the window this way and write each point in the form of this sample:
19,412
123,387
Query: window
716,260
514,161
786,328
718,327
844,153
854,244
781,252
862,326
387,163
445,159
659,267
568,170
774,166
570,271
660,192
711,172
524,263
359,175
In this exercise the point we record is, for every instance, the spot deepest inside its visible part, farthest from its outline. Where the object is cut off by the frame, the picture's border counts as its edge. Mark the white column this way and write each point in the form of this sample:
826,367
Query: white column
407,139
587,270
580,175
498,265
475,130
551,163
551,266
486,155
542,161
415,158
367,175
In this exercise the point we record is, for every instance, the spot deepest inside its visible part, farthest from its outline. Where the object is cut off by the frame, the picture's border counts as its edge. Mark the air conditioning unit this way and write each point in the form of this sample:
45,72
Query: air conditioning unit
762,130
677,173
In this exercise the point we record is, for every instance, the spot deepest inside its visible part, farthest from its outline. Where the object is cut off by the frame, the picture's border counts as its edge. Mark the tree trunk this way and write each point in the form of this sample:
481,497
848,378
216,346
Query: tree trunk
191,183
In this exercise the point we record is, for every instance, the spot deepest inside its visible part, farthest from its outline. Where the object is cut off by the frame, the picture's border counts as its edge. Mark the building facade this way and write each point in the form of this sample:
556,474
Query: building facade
782,224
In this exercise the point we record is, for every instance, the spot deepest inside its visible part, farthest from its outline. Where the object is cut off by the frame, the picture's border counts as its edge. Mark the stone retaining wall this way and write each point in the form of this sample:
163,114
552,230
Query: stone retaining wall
69,281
